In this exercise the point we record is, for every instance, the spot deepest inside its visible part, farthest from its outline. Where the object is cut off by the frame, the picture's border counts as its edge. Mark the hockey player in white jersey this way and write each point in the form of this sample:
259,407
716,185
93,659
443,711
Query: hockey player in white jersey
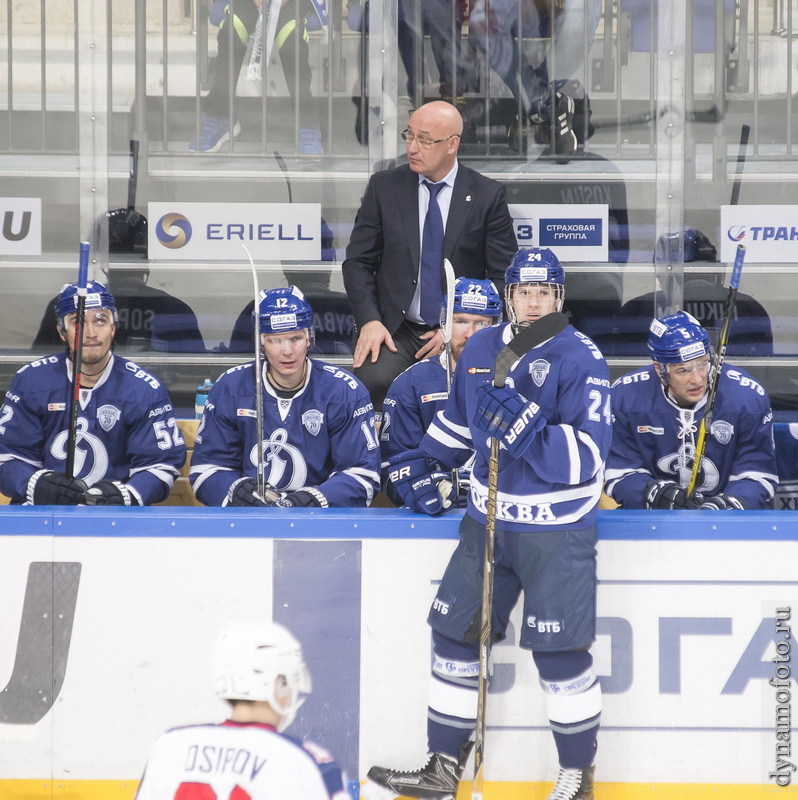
658,411
259,669
319,442
128,448
418,393
550,479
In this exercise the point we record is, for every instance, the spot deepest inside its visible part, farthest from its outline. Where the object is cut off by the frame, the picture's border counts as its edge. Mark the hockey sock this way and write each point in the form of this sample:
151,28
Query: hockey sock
573,703
452,712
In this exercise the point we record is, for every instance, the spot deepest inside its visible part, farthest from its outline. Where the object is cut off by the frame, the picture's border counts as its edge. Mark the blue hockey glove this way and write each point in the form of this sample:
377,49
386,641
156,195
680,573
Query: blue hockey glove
668,495
723,502
48,488
244,493
504,414
309,497
109,493
420,482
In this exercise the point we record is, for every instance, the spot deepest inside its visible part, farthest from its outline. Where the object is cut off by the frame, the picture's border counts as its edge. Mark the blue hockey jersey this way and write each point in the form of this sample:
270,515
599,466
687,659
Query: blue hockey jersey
556,484
409,408
655,439
324,436
126,429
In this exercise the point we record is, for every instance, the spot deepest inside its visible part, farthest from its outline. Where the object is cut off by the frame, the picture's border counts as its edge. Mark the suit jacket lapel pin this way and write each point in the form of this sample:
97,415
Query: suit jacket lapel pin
468,198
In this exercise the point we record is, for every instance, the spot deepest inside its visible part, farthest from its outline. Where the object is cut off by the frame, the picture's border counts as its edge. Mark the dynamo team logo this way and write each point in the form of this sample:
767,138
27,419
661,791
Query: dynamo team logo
736,233
173,231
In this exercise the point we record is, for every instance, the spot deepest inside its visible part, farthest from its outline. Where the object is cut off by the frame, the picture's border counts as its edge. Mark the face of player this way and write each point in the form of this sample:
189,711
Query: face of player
433,138
464,326
98,335
286,354
531,301
687,382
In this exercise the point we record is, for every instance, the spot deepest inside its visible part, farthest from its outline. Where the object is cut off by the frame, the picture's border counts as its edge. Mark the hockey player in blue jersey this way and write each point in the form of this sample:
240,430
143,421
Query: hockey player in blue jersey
319,442
128,447
549,484
259,669
658,411
421,390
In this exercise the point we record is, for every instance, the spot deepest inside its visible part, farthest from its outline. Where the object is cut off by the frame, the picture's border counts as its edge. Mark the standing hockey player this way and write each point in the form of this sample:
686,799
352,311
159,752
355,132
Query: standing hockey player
128,447
416,396
319,444
553,422
658,411
259,669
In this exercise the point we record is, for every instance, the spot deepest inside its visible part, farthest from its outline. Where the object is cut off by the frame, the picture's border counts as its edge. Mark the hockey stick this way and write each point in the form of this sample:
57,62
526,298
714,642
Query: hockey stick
261,481
714,379
77,358
529,337
448,271
281,163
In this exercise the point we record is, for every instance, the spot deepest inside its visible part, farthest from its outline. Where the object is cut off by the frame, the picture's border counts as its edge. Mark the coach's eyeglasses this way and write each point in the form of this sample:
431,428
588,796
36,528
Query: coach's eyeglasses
411,137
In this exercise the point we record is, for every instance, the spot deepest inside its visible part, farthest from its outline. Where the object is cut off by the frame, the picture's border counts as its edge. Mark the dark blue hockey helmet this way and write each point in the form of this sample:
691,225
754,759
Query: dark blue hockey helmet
677,338
474,296
283,310
97,296
533,265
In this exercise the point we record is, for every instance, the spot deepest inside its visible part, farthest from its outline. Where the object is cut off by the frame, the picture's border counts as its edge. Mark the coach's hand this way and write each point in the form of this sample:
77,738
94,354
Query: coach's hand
49,488
421,482
109,493
669,495
504,414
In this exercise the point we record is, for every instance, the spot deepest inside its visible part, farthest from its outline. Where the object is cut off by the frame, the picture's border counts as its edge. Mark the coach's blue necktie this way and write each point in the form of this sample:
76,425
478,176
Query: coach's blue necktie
432,258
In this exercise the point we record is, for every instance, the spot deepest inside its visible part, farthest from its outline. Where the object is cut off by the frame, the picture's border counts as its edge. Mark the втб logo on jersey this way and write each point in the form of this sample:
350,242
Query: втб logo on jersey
280,456
173,231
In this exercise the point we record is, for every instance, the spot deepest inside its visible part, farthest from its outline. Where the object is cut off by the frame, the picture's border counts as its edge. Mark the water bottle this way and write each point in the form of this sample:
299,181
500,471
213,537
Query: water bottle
202,397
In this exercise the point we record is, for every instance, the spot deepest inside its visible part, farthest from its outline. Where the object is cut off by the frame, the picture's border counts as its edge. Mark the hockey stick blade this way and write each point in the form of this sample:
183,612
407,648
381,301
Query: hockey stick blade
529,337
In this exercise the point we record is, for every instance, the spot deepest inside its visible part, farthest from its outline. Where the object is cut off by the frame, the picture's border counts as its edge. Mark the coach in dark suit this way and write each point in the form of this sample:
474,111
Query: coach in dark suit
383,269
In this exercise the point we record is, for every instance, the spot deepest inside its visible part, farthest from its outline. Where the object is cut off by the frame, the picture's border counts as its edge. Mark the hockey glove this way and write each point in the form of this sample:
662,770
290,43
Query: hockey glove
668,495
109,493
723,502
244,493
48,488
421,484
309,497
504,414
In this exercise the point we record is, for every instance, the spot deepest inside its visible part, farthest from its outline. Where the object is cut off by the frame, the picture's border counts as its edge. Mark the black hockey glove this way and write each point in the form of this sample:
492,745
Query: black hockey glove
244,493
109,493
669,495
309,497
48,488
723,502
504,414
421,482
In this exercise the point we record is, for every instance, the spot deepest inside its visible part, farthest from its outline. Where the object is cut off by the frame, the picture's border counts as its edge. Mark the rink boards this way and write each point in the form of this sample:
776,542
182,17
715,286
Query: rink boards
109,617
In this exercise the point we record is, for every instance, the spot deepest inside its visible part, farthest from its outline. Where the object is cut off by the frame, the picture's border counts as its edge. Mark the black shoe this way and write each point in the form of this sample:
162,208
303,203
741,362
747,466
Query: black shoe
574,784
559,134
437,780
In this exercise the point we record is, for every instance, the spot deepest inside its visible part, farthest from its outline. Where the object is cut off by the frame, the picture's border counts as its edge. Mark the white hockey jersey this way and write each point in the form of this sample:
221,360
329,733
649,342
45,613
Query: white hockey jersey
238,761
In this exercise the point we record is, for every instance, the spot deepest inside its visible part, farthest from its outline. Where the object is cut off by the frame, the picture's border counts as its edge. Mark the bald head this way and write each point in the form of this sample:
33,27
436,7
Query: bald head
436,128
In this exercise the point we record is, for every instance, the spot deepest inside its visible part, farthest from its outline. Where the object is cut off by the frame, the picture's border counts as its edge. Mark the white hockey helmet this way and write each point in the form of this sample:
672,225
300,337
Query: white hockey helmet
249,660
